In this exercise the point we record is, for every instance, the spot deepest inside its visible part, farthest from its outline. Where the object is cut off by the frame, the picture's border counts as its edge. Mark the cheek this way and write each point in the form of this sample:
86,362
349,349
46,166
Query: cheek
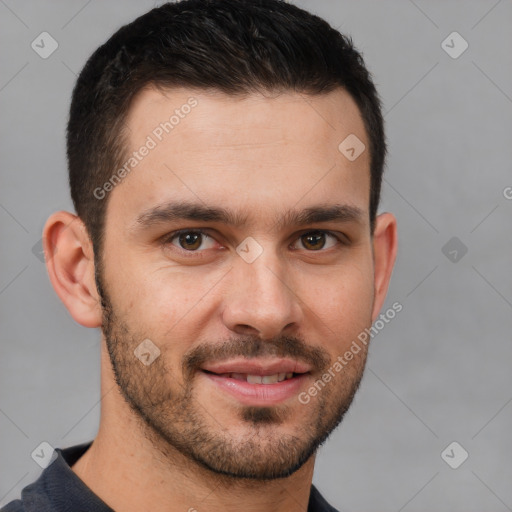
154,289
174,305
342,303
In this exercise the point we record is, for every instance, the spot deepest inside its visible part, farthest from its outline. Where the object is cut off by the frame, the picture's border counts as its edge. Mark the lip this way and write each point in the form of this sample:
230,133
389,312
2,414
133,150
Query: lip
258,367
257,394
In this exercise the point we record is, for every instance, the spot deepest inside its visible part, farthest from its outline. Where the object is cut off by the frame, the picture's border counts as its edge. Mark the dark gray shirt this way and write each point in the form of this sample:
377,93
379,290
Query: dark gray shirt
59,489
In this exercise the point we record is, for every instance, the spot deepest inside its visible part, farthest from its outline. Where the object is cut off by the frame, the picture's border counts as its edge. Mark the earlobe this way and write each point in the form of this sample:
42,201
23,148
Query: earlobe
385,247
70,263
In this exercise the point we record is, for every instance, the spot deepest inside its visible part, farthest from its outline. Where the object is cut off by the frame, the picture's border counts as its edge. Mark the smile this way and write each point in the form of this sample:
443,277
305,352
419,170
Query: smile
262,383
259,379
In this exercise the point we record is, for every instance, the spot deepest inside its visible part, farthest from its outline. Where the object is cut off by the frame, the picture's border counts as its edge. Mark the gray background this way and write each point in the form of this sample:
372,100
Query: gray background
439,372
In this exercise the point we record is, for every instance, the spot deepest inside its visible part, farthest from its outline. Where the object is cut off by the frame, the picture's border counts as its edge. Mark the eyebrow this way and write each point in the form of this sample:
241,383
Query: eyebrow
173,211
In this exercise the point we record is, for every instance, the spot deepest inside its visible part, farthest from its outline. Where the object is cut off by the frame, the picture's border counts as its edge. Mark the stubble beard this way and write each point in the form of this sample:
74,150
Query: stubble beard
174,419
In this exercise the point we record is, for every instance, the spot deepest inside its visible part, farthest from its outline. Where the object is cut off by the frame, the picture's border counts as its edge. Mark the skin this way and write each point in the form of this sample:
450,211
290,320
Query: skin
260,156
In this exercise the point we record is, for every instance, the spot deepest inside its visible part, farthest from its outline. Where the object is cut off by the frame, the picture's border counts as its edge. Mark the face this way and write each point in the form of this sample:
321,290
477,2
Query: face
238,247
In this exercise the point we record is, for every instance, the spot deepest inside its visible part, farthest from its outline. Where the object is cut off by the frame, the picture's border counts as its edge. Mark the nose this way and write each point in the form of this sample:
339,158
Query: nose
261,299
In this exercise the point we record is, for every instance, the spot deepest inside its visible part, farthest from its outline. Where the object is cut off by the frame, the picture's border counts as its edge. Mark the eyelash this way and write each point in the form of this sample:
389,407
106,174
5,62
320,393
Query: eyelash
167,239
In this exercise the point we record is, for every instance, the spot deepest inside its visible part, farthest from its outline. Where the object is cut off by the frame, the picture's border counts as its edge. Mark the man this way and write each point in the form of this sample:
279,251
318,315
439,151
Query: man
225,161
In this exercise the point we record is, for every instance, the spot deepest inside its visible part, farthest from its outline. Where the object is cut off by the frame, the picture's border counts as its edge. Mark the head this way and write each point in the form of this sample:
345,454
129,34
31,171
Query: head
221,228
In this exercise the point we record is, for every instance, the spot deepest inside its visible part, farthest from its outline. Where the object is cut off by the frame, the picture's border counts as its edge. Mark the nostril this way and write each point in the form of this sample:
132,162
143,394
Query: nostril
245,329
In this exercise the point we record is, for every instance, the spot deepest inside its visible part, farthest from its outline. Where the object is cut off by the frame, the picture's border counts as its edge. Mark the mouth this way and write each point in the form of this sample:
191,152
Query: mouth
257,379
260,382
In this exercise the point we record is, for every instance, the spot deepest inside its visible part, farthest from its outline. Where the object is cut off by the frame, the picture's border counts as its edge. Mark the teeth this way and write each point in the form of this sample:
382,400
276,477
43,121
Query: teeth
268,379
259,379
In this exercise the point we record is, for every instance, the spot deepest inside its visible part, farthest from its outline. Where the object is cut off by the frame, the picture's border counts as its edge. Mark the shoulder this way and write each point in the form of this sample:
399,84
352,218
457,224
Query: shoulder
56,487
13,506
317,502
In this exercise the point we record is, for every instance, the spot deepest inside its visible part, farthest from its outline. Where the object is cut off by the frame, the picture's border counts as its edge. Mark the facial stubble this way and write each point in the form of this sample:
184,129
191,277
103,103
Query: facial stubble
173,418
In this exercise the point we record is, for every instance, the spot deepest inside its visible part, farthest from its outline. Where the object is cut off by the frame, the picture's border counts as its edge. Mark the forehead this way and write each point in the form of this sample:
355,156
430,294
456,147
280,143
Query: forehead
255,153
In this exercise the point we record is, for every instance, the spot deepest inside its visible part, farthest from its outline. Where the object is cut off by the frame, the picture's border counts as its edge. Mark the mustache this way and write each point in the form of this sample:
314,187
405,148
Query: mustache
253,346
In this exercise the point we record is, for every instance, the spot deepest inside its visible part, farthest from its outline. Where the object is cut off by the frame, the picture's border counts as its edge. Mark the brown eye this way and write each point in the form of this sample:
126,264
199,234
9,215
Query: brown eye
317,240
191,240
313,241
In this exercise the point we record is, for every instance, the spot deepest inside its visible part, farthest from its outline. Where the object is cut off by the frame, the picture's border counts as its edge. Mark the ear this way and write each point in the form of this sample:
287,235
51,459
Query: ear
70,264
385,246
